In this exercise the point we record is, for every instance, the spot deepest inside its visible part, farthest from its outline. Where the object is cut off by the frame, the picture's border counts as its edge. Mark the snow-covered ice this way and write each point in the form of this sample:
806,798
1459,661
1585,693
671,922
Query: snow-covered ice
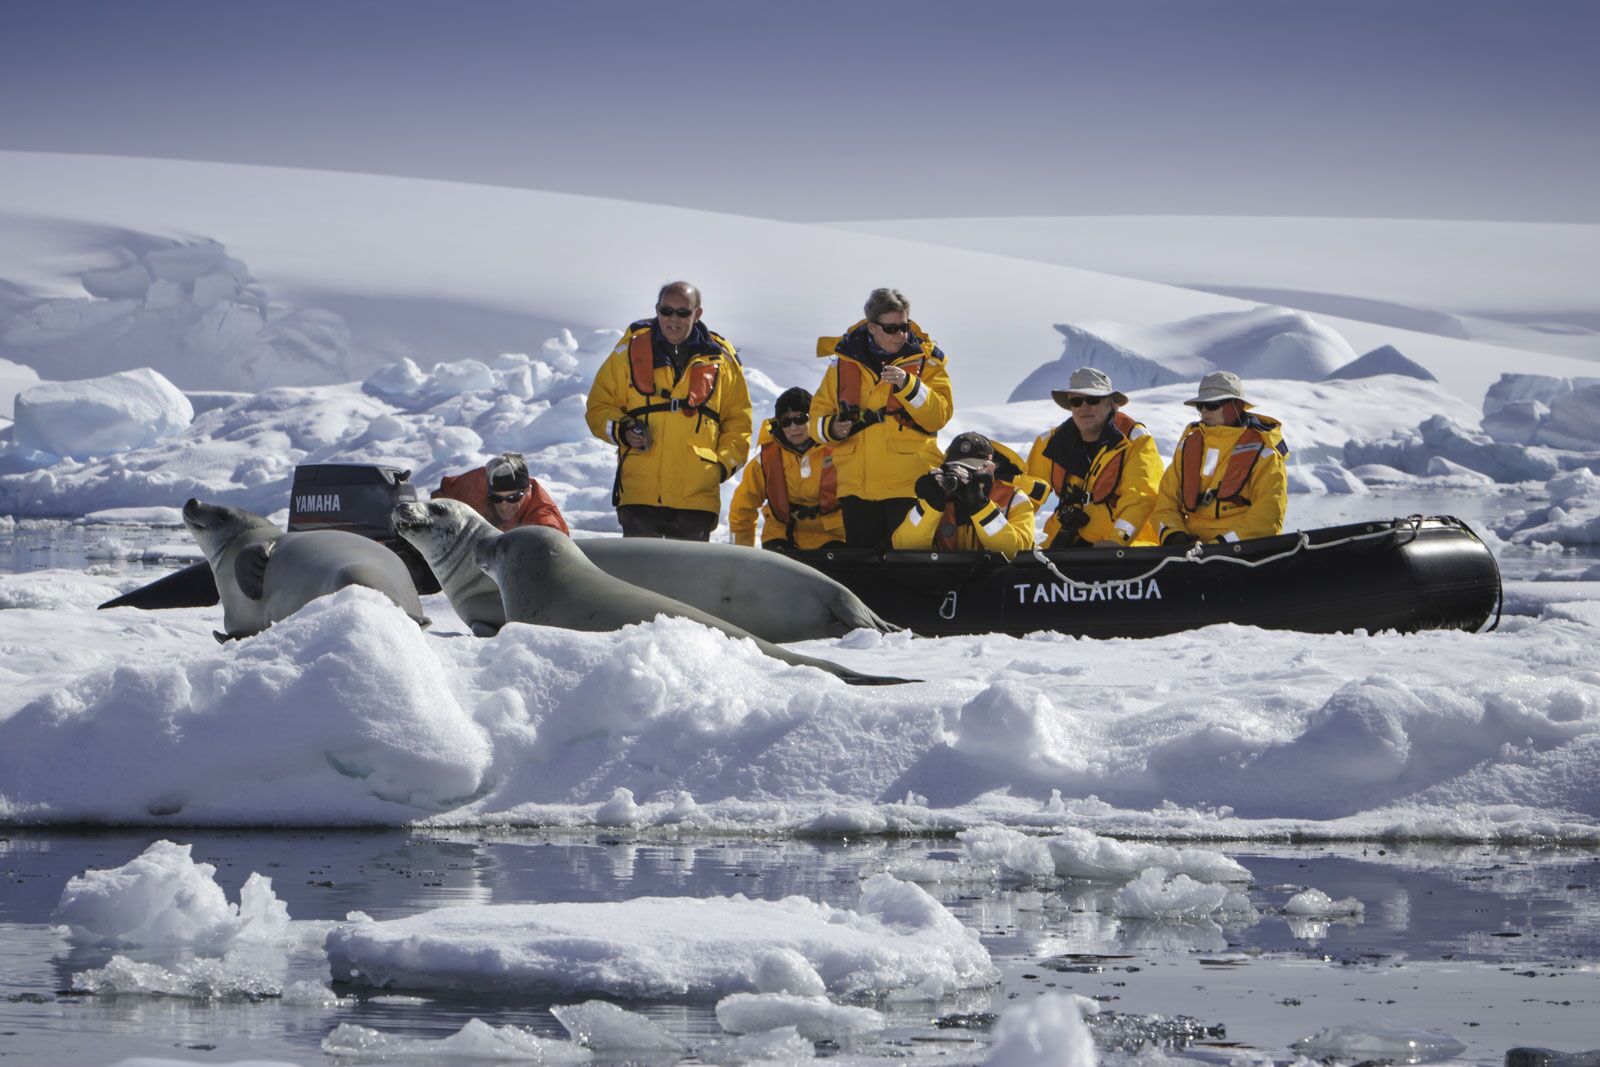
1045,1032
897,939
815,1018
1388,1039
476,1040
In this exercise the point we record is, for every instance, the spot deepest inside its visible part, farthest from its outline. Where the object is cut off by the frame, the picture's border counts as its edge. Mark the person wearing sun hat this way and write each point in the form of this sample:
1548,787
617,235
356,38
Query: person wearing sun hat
964,506
791,483
1102,466
1226,481
503,492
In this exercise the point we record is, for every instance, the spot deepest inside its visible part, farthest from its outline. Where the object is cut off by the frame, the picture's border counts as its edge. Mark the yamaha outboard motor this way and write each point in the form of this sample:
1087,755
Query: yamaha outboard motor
360,498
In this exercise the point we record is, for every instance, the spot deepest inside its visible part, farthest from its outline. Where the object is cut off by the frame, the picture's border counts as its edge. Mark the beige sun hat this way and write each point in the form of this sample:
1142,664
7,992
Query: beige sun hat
1221,385
1088,381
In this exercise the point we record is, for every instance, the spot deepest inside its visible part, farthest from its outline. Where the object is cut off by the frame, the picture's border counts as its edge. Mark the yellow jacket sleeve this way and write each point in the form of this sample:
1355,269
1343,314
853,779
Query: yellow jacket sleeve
1141,483
609,394
927,398
1166,516
1005,533
733,433
825,404
745,507
916,531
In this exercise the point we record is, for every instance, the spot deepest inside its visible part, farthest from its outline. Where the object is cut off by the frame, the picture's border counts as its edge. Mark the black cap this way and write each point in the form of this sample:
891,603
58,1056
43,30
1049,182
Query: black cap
796,399
507,473
969,446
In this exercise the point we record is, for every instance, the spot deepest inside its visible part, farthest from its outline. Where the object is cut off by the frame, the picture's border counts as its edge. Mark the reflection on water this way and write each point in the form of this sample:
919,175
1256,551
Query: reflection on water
1431,916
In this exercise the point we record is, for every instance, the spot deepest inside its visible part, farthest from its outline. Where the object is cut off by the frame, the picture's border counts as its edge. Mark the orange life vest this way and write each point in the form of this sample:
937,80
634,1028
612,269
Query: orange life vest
1105,485
850,391
1246,451
945,537
778,485
642,366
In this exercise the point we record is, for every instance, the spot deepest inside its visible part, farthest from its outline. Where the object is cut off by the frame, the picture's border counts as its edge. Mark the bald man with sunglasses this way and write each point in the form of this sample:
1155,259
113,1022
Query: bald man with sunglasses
672,398
1227,480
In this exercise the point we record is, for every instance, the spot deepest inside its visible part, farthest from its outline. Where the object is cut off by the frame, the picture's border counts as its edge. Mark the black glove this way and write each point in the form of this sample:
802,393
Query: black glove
1178,538
1072,519
930,488
974,493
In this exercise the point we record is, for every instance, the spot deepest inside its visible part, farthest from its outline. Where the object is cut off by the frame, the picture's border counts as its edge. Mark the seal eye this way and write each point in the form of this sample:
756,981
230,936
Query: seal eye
436,509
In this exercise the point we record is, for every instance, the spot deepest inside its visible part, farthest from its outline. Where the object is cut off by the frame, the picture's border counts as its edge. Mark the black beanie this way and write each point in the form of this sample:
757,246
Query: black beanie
507,473
796,399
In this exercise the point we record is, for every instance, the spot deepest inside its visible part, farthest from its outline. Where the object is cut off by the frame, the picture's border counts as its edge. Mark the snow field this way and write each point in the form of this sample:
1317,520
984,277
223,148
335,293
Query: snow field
347,713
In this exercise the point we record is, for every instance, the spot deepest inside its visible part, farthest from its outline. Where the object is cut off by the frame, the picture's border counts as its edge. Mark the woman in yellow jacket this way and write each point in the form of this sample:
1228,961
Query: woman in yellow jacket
883,400
792,484
1226,481
1103,467
962,507
672,398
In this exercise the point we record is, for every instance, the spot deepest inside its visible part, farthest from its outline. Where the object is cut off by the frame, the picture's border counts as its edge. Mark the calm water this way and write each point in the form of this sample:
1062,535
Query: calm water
1493,947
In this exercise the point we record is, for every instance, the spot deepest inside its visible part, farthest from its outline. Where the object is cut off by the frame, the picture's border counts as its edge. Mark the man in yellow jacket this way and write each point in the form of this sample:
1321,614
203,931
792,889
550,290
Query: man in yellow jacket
1102,465
962,507
883,399
792,484
1226,481
672,398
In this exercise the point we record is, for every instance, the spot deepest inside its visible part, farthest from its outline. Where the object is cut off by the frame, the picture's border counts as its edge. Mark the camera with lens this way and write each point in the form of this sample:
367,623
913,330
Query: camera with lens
949,478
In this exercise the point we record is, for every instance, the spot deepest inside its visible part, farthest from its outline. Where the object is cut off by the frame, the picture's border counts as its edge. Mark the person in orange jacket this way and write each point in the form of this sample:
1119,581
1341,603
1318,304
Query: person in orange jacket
792,484
503,492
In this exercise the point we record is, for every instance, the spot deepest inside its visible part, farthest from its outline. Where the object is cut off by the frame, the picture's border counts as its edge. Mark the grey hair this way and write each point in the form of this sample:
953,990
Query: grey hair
883,300
688,289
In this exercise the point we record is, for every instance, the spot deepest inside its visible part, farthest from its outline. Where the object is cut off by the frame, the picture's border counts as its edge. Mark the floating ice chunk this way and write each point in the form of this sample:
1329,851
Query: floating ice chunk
1011,851
1381,1038
620,810
783,970
475,1041
899,938
780,1046
1153,895
1315,904
228,978
604,1027
162,897
1079,853
1046,1032
814,1018
157,1061
100,416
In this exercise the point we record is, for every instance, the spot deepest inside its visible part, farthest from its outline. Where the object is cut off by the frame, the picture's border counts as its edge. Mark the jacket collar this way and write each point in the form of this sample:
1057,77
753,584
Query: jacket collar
699,343
859,346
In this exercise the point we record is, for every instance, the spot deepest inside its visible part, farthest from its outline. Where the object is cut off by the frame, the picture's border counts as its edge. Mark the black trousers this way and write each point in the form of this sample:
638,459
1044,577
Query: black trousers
872,523
675,524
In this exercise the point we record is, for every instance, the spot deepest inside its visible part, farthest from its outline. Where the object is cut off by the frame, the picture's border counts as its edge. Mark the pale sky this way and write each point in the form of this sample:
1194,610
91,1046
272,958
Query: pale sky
831,110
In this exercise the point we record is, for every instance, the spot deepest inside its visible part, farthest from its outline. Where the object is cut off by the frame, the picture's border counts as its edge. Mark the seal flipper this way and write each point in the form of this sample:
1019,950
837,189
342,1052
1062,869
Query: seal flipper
250,569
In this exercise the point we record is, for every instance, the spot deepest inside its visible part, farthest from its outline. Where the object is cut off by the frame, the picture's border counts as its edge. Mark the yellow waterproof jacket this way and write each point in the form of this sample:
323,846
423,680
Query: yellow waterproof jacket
698,417
1117,488
1225,483
804,474
1004,525
884,459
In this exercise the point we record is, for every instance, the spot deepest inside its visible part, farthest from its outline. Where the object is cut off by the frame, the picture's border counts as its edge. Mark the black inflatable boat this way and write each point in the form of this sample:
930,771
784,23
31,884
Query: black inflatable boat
1403,575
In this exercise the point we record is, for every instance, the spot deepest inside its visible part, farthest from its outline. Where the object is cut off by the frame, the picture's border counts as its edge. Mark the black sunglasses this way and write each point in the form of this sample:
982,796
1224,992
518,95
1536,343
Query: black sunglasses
1079,401
793,420
1213,405
508,498
667,313
893,327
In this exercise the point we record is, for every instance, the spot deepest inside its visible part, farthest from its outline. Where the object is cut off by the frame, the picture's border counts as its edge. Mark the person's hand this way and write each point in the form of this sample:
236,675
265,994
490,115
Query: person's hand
634,436
839,428
930,489
974,491
895,376
1179,538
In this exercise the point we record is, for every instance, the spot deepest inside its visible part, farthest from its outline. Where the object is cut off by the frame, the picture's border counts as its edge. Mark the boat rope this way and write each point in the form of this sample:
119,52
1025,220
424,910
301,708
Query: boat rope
1197,554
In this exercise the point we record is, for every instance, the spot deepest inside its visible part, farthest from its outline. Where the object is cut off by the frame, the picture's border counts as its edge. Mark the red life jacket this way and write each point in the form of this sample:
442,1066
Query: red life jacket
778,484
1106,482
945,537
850,391
1246,451
642,368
